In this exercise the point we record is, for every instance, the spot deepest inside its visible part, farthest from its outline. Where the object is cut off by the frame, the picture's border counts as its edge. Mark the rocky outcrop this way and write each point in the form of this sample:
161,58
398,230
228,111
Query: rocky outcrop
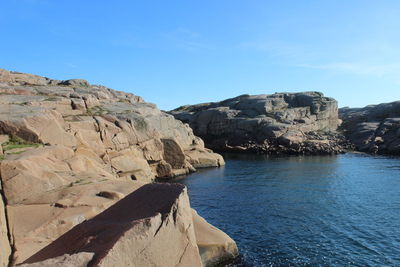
215,246
373,129
70,150
115,126
153,226
281,123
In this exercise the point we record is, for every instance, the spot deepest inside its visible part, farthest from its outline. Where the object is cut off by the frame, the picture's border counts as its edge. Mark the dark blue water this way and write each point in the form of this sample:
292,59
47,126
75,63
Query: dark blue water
305,211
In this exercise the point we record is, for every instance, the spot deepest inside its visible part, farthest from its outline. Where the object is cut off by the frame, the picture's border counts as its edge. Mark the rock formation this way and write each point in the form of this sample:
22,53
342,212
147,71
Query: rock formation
373,129
281,123
214,245
152,226
70,150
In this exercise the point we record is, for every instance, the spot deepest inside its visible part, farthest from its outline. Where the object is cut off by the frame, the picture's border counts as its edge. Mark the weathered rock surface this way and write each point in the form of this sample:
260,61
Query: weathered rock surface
81,259
69,150
373,129
153,226
115,126
214,245
5,247
281,123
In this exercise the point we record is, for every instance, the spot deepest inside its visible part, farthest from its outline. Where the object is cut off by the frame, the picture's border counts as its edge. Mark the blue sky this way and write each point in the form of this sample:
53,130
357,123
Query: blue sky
185,52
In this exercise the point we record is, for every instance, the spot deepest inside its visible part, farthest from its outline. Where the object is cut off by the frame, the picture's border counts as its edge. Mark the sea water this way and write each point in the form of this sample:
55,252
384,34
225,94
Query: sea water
304,211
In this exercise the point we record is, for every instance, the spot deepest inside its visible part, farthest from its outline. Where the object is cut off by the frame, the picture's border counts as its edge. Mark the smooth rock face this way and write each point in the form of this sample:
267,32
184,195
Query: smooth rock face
5,248
56,212
70,149
153,226
81,259
293,123
214,245
375,128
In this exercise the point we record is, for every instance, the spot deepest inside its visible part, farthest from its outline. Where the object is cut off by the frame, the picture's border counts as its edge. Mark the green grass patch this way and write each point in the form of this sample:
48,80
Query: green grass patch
17,142
14,146
16,153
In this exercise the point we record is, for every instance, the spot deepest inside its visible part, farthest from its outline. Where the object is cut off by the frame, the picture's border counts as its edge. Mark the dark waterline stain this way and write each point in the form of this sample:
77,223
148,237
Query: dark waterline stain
304,211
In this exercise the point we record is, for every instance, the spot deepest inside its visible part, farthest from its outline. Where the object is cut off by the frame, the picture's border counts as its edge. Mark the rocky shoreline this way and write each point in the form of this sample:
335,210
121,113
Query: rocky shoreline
72,151
317,144
79,165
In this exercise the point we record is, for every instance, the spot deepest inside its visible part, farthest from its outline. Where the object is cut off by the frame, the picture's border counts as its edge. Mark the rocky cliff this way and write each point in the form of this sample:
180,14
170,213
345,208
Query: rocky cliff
281,123
69,150
373,129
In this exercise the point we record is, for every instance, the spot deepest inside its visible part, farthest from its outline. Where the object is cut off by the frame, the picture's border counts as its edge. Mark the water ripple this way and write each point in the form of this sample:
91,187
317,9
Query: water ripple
305,211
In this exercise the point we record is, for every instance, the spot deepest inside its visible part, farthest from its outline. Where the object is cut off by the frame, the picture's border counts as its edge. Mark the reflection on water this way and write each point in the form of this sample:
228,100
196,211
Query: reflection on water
305,211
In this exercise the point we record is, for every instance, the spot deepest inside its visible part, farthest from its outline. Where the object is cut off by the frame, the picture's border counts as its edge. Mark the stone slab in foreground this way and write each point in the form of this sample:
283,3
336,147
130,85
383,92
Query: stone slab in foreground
152,226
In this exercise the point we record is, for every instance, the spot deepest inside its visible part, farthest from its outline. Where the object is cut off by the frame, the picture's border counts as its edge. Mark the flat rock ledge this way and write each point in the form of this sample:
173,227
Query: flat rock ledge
280,123
153,226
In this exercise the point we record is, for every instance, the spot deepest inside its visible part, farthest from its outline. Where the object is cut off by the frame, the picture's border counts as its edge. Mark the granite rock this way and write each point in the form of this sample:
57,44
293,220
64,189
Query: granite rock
281,123
373,129
215,246
70,149
152,226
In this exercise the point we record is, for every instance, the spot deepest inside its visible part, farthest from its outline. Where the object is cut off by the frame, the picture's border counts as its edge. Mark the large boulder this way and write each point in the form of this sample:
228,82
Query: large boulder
374,128
153,226
56,212
270,124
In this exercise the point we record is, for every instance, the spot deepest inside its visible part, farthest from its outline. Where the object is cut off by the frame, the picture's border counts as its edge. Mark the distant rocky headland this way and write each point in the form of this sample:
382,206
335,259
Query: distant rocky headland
280,123
305,123
78,162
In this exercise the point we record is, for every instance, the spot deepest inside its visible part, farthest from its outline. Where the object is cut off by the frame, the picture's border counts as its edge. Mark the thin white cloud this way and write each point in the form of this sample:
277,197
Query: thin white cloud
187,39
378,70
283,50
71,65
180,38
374,59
